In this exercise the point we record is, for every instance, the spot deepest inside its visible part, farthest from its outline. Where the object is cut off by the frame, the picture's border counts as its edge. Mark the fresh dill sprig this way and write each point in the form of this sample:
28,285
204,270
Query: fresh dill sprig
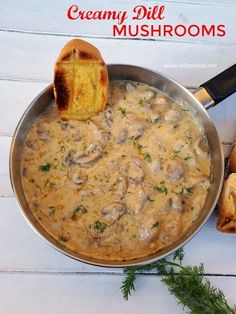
186,283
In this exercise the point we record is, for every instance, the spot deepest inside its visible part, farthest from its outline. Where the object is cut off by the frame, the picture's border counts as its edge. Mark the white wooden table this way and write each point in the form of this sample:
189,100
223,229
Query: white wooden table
34,278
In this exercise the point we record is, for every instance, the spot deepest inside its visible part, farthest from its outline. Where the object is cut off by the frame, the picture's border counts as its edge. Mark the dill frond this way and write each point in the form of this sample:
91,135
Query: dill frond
187,283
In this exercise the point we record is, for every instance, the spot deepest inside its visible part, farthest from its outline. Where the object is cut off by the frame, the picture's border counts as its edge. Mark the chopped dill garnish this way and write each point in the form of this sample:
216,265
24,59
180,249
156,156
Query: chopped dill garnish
186,190
147,157
52,210
62,148
155,225
49,183
161,188
100,226
78,210
141,101
123,112
45,168
188,158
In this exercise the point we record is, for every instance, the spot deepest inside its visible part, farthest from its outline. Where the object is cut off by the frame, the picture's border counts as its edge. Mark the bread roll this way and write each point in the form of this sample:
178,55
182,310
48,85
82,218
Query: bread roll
227,206
232,160
80,81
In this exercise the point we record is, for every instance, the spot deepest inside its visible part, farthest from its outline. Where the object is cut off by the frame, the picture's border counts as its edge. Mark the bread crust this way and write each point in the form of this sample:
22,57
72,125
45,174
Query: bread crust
77,56
227,206
232,160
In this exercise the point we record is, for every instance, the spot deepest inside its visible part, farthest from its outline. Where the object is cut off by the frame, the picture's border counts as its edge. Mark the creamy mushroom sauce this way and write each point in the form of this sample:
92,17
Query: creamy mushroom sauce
122,185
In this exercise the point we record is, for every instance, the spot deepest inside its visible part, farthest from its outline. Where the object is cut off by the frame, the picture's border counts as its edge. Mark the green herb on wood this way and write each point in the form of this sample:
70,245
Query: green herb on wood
187,283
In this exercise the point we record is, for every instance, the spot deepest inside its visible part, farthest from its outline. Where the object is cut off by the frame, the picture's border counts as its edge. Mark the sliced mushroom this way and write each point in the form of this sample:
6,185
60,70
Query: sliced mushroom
102,135
173,116
155,165
171,228
122,137
31,144
179,146
155,117
100,230
149,95
137,128
176,202
94,152
43,131
129,86
121,187
174,171
162,143
203,181
70,158
135,171
77,137
108,119
138,197
105,136
79,179
143,232
149,234
160,101
201,148
42,127
113,212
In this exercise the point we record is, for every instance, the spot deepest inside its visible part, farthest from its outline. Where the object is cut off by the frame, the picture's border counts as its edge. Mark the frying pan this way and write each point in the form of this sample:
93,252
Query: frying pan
208,95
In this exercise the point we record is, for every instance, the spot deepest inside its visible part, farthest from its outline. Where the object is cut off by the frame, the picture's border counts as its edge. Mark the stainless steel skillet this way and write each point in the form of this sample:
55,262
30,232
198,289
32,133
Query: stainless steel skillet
208,95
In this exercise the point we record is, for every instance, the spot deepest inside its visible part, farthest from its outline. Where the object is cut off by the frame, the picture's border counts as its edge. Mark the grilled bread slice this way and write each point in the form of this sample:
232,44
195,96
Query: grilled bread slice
227,206
80,81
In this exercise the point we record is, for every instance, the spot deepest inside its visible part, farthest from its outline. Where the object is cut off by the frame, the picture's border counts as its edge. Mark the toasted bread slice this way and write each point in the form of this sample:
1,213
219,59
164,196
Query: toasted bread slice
227,206
232,160
80,81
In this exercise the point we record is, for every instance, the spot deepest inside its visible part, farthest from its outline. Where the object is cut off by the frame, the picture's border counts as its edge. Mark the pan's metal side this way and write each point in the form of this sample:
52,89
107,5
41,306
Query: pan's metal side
168,86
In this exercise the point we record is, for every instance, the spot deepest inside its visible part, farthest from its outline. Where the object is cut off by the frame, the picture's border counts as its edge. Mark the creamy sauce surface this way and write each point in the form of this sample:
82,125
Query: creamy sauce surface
122,185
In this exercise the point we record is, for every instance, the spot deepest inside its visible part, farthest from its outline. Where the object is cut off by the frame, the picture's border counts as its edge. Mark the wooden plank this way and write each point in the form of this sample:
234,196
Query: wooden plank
25,251
15,98
13,104
5,186
53,18
91,294
190,64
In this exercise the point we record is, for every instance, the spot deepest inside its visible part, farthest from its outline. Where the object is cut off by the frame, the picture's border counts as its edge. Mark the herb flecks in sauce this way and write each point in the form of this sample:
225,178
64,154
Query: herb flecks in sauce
143,174
78,210
45,168
100,226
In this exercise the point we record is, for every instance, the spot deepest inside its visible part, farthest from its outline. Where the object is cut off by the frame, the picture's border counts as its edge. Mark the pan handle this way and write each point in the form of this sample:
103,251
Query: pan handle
218,88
